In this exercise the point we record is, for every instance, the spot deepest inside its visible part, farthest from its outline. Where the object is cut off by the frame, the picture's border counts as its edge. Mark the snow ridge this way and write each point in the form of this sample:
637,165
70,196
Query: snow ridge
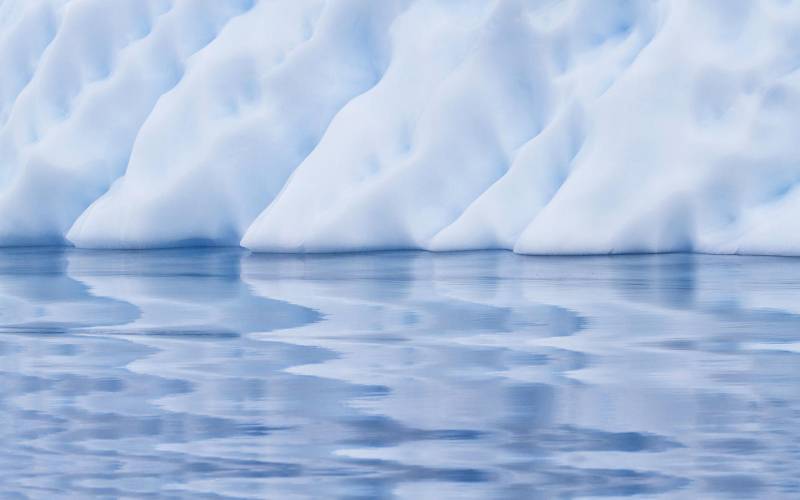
548,127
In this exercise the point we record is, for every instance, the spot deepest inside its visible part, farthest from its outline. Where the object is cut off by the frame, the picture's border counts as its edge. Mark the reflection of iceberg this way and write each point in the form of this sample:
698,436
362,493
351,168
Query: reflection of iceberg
462,352
219,373
36,295
542,127
626,368
195,379
189,292
192,296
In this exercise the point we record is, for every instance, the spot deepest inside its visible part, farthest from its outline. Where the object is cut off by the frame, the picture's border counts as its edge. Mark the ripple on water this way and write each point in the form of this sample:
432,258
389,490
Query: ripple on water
213,373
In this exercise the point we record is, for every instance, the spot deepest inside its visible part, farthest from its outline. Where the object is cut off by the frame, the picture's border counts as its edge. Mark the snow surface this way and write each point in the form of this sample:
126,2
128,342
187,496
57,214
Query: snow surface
311,125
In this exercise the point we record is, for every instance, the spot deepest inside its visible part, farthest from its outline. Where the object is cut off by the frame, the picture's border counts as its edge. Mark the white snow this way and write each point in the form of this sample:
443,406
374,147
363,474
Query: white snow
574,126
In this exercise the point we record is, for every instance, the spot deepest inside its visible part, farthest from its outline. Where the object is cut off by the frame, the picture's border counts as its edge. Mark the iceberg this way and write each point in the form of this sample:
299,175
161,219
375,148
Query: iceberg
542,127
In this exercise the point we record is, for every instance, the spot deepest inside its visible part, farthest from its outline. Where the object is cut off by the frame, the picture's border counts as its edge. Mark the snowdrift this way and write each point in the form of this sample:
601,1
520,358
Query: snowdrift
545,127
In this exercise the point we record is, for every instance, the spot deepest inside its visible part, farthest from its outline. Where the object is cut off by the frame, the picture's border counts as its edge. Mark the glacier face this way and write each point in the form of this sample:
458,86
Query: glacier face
335,125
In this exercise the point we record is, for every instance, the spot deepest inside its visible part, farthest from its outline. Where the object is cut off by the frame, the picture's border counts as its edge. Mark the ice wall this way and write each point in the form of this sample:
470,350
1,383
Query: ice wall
333,125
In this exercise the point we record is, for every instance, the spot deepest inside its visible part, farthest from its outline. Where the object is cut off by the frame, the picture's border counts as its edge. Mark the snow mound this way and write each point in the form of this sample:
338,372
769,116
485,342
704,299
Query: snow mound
563,127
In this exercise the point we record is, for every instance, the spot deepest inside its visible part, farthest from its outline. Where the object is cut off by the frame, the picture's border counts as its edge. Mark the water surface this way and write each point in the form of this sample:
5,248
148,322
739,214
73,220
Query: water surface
219,374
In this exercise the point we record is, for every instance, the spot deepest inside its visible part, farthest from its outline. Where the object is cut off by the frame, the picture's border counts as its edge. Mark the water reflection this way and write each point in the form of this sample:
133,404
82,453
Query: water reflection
219,374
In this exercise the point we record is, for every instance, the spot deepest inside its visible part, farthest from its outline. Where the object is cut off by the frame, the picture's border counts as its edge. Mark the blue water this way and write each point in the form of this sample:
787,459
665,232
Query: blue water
219,374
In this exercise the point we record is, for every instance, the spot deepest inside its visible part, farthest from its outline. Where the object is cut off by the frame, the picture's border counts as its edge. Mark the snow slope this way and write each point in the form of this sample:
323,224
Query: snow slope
541,126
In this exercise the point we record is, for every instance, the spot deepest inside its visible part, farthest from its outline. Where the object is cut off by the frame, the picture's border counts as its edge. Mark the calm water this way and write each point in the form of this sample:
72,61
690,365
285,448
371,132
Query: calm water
218,374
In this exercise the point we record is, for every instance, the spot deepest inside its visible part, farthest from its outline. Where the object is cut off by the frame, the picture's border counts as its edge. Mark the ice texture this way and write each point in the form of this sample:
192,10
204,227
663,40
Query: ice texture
545,127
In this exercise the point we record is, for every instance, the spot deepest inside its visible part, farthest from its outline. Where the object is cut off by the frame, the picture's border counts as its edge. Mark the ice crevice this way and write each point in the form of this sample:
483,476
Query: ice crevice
554,127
